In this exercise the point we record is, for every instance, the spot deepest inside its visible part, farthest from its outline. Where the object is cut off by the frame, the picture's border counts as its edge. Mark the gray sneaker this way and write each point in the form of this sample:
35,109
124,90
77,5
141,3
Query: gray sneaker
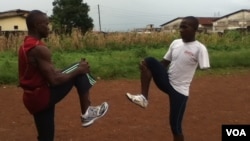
138,99
94,113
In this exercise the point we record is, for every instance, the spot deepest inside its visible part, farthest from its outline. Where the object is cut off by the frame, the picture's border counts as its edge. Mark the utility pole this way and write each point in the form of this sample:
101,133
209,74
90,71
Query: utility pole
100,28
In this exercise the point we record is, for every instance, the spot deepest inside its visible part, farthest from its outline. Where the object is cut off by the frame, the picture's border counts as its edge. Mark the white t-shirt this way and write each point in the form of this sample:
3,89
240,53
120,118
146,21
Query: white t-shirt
185,58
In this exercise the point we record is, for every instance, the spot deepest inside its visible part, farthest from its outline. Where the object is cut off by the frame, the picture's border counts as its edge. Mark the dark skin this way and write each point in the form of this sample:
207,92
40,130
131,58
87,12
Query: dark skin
187,32
41,57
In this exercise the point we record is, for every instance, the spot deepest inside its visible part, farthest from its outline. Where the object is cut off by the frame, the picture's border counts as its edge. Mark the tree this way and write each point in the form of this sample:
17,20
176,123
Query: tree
69,14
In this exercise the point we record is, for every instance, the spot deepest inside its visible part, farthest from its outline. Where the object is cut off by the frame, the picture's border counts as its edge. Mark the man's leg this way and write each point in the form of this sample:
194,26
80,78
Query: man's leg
177,110
150,67
84,102
177,100
142,99
60,91
159,74
178,138
44,122
88,113
146,77
83,86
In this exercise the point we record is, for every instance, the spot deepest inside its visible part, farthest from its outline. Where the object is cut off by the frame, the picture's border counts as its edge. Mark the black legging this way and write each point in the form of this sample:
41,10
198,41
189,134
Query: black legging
177,100
44,120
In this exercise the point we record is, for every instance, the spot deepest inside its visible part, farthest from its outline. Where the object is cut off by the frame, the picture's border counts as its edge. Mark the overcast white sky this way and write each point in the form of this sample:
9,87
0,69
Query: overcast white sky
124,15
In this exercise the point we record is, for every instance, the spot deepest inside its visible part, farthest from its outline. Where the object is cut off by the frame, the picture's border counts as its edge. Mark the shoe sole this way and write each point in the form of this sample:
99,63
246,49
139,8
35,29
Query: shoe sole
93,120
129,96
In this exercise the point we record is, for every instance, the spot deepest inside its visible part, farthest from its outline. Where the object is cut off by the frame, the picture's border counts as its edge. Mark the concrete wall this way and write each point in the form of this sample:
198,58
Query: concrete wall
8,24
172,27
234,21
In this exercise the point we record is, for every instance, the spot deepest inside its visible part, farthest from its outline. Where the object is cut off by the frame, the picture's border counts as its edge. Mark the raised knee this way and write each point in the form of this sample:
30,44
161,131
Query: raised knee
150,60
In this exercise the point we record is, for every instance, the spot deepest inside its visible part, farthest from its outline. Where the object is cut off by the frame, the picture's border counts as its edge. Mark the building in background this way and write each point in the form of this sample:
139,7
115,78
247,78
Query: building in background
239,20
148,29
205,25
171,26
13,21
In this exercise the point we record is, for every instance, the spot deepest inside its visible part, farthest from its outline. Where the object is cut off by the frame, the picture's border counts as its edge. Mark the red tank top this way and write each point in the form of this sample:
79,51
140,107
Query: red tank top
36,90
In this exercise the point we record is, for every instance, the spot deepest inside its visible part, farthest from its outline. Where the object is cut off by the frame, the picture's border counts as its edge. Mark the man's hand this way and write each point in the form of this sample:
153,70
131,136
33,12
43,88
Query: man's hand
84,66
143,66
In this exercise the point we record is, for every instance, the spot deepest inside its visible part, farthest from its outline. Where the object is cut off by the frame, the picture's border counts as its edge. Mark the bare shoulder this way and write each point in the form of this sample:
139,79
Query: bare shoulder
38,55
40,52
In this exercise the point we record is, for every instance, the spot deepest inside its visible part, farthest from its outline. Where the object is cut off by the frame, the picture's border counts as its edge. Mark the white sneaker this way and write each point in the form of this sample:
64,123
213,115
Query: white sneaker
138,99
94,113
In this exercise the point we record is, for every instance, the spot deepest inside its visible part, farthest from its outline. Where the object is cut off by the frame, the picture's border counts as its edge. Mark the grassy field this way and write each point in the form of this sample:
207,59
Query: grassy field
116,56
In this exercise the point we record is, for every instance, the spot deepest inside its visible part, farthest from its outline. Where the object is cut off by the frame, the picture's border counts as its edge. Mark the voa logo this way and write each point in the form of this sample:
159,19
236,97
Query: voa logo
236,132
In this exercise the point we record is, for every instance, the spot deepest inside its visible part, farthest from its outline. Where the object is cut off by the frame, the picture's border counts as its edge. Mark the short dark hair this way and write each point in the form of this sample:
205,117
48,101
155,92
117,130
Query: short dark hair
32,17
194,20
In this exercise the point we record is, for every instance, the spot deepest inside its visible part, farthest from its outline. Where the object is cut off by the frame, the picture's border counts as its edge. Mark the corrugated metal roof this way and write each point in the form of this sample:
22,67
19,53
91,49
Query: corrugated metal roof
242,10
202,20
12,13
206,20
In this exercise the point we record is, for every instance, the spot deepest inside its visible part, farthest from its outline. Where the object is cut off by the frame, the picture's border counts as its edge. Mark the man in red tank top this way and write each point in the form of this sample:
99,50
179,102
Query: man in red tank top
44,86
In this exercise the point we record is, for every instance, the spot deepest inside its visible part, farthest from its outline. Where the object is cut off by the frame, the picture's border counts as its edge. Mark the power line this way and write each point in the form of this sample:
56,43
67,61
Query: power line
116,17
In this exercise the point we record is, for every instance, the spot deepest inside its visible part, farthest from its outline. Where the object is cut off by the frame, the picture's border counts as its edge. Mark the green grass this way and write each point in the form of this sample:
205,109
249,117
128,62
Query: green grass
230,59
118,64
116,57
8,68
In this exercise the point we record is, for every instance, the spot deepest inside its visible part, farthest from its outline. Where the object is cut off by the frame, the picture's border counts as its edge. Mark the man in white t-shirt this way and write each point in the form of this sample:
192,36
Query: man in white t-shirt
174,73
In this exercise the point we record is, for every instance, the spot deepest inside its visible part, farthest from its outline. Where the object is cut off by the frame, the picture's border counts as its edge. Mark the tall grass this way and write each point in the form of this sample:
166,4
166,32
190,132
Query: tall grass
8,67
228,42
116,55
102,41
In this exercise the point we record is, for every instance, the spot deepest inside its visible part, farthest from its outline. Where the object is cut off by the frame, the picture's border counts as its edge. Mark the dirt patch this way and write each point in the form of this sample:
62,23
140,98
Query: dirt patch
214,100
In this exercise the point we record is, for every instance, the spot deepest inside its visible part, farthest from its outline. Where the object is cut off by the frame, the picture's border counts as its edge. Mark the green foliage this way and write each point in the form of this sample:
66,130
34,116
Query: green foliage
229,41
116,56
140,52
8,68
69,14
230,59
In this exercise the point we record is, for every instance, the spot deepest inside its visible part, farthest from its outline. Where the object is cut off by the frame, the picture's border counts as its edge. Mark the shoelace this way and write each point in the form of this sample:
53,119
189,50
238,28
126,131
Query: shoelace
138,98
93,111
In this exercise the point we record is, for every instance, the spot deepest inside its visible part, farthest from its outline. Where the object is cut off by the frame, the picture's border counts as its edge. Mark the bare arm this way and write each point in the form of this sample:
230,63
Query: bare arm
40,57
